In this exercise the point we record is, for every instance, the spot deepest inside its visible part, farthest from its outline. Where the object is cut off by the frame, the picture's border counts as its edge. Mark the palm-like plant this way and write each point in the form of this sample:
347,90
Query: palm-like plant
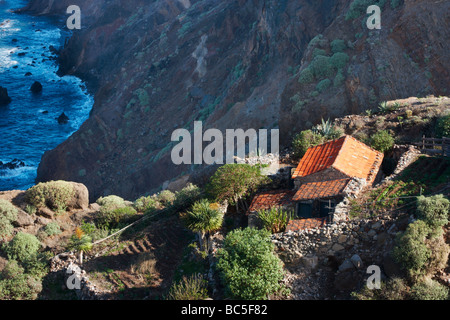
203,218
81,243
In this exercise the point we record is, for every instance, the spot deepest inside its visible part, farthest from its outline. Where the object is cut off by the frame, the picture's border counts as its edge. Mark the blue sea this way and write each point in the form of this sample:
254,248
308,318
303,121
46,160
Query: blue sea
28,125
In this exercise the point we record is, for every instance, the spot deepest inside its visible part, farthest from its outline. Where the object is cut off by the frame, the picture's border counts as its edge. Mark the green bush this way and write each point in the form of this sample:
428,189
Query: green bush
233,182
339,60
247,265
192,288
8,214
322,67
187,196
115,218
443,127
319,52
382,141
306,76
429,290
111,202
146,204
338,45
339,79
274,220
411,251
56,195
393,289
434,210
304,140
16,285
323,85
359,7
166,198
203,217
22,247
52,229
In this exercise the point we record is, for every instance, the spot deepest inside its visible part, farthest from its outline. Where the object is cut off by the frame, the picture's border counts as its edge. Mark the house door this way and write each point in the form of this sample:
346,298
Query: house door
304,209
326,207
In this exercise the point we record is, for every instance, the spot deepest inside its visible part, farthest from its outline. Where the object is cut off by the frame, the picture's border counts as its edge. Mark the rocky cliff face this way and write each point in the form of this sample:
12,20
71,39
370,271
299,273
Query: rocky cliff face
156,66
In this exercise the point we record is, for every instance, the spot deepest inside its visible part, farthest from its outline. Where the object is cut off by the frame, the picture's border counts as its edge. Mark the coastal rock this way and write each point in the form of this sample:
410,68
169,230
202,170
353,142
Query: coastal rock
81,197
4,98
23,219
36,87
14,164
63,118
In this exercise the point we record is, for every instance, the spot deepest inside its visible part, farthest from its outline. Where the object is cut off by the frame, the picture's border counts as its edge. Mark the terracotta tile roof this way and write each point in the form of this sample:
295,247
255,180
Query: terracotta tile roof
321,189
303,224
269,199
346,154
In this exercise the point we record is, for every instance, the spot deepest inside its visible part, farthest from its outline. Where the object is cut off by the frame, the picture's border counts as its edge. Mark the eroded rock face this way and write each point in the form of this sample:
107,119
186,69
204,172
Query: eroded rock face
232,64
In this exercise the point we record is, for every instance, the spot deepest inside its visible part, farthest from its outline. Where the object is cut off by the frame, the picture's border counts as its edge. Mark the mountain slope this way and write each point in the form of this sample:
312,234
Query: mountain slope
160,65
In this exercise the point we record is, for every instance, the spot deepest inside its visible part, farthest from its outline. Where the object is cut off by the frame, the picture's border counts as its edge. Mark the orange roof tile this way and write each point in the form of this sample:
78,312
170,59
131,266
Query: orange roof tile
269,199
303,224
346,154
322,189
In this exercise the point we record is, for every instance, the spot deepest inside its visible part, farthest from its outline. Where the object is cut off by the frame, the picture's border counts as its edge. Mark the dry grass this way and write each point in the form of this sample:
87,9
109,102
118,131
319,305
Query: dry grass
145,264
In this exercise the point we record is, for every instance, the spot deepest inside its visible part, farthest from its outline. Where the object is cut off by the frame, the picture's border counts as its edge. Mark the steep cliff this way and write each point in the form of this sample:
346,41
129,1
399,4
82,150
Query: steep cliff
156,66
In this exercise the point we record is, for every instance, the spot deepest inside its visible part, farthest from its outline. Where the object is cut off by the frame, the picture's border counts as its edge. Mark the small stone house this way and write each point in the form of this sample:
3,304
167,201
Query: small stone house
323,177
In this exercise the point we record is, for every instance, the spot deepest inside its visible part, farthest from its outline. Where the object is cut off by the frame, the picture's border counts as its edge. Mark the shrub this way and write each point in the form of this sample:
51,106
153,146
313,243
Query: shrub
7,210
115,218
429,290
338,45
382,141
434,210
145,264
322,67
305,139
192,288
146,204
443,127
52,229
247,265
186,196
323,85
319,52
306,76
339,79
393,289
111,202
274,220
54,194
439,255
8,214
410,251
16,285
359,7
232,182
22,247
166,198
339,60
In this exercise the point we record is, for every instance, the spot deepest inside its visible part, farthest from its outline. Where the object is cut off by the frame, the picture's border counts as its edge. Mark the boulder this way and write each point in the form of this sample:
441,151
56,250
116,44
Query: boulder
356,260
23,219
346,265
81,197
347,280
12,164
4,98
36,87
45,212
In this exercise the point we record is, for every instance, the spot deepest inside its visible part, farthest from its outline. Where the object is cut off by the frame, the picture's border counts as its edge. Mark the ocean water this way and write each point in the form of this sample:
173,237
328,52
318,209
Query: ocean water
28,125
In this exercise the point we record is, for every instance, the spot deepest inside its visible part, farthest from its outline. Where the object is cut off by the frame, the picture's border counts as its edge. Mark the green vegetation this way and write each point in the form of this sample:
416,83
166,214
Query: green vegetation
52,229
338,45
234,182
8,214
429,290
323,85
15,284
359,7
203,218
434,210
304,140
443,127
393,289
274,220
306,76
146,204
339,60
247,265
115,218
382,141
56,195
192,288
22,247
